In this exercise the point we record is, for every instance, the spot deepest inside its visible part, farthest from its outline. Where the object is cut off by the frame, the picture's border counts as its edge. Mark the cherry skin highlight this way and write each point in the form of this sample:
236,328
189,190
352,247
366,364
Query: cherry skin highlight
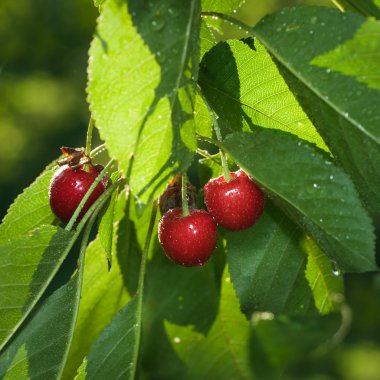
68,187
235,205
188,240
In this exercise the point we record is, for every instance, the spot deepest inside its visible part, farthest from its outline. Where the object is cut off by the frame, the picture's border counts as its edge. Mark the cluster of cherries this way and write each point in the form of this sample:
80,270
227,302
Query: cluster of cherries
188,238
191,239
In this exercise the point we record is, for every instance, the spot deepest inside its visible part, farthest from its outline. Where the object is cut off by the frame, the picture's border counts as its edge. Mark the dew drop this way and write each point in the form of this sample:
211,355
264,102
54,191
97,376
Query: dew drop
335,269
331,177
177,339
315,186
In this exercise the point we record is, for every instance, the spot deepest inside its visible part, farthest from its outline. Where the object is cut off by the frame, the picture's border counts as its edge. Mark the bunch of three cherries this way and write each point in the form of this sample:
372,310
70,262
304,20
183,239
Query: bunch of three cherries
235,204
189,240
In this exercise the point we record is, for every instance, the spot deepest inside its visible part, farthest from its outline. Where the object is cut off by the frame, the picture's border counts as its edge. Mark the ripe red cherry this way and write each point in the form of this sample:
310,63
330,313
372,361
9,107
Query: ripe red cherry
67,188
188,240
235,205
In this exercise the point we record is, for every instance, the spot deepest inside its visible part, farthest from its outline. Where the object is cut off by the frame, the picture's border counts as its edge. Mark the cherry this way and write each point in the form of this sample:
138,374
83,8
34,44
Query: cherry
68,187
188,240
235,205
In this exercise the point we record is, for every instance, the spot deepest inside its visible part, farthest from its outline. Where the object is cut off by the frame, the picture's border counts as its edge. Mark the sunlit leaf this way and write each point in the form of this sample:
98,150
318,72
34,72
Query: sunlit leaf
324,279
30,209
223,352
27,265
245,88
149,113
343,105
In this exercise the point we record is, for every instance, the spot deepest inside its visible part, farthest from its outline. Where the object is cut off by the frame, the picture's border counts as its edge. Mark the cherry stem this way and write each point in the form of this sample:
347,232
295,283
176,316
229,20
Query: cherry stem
87,195
185,205
140,286
226,170
90,128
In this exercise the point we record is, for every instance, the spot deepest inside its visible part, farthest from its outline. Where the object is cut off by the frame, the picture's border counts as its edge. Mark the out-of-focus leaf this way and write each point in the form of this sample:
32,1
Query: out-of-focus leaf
284,340
27,265
267,266
319,196
98,3
325,281
30,210
221,354
343,105
245,88
113,354
149,113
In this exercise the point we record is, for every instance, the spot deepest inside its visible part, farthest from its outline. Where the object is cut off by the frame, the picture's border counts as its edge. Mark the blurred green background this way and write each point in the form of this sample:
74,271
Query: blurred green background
43,58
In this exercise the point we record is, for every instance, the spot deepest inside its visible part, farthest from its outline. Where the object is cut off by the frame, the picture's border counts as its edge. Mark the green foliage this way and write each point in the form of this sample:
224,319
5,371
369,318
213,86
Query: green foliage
30,209
246,89
298,110
154,128
319,196
267,266
344,109
222,353
113,354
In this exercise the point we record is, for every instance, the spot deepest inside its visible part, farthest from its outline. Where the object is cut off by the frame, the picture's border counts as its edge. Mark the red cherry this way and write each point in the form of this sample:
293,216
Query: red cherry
188,240
67,188
235,205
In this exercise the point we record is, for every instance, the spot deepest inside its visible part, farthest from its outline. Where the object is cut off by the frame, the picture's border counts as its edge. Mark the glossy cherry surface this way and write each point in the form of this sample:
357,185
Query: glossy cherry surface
68,187
188,240
235,205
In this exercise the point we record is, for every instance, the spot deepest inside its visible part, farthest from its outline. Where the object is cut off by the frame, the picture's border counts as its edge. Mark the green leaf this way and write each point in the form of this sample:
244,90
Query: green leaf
113,353
181,296
289,339
364,7
27,265
207,39
149,113
357,57
106,227
30,210
222,6
82,371
325,281
33,259
267,266
98,3
342,104
317,195
40,350
103,295
245,88
223,353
